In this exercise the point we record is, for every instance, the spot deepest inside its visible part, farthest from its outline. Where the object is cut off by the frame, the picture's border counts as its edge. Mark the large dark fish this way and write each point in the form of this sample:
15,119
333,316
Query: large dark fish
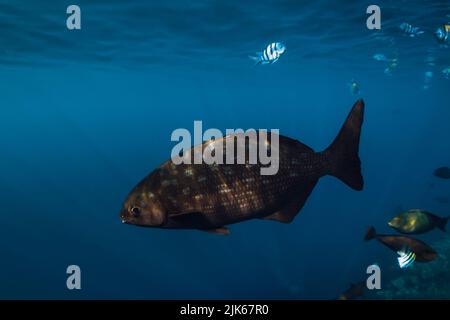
417,221
208,197
423,252
442,172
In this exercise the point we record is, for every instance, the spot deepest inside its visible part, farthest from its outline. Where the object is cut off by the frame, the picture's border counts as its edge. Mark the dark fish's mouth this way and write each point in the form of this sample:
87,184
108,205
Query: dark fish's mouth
123,216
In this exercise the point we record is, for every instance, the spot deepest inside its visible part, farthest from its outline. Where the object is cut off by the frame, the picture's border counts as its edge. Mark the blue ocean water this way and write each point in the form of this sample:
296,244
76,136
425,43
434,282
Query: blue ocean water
86,114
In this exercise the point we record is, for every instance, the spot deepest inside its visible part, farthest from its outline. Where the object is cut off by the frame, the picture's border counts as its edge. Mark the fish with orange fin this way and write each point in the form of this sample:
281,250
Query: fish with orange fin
402,244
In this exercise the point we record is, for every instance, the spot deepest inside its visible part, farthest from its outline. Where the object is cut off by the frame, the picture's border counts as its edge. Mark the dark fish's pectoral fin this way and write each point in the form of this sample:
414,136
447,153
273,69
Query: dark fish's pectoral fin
197,220
222,230
185,215
288,213
190,220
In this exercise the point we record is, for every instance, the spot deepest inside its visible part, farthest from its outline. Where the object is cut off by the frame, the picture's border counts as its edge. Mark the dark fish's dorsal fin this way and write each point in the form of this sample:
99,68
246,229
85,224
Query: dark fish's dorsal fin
222,230
295,144
283,140
288,213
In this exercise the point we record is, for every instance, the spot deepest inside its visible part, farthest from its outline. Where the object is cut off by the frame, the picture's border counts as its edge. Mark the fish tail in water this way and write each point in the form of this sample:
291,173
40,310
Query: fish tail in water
370,234
256,59
442,223
343,152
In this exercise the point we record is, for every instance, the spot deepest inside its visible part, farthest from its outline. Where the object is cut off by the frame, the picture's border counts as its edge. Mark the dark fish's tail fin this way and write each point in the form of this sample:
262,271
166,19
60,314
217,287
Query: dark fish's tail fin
370,234
343,152
442,223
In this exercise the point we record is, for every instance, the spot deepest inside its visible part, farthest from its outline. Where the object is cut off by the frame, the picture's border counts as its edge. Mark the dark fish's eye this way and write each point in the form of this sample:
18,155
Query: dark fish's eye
135,211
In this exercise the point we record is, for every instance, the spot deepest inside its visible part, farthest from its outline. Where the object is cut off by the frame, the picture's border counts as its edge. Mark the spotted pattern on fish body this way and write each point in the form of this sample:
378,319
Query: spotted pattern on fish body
210,196
229,193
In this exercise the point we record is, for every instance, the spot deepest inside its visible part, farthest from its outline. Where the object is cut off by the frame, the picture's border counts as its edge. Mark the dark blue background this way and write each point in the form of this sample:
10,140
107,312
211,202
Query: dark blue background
86,114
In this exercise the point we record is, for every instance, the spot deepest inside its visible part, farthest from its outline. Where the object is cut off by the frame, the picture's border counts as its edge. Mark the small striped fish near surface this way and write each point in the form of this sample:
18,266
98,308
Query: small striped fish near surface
410,30
271,53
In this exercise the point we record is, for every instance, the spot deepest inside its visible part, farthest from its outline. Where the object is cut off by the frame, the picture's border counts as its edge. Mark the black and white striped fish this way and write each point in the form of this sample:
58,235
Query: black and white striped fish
271,53
406,258
410,30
